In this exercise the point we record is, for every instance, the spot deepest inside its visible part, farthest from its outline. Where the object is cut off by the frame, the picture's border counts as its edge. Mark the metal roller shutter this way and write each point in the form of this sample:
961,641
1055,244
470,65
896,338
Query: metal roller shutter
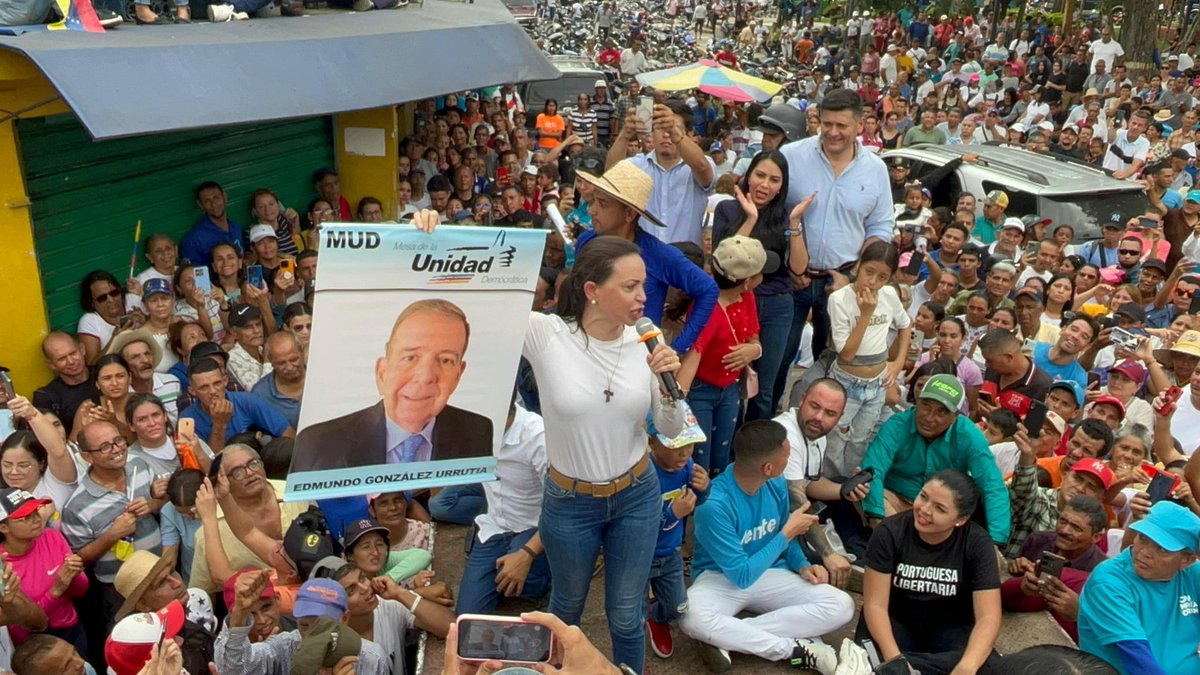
88,196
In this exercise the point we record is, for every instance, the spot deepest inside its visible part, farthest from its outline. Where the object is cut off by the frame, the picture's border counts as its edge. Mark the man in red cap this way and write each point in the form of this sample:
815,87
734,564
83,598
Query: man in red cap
1034,508
1108,409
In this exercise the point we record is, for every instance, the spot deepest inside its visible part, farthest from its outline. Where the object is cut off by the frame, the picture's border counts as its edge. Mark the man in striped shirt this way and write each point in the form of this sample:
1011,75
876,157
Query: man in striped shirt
109,516
603,106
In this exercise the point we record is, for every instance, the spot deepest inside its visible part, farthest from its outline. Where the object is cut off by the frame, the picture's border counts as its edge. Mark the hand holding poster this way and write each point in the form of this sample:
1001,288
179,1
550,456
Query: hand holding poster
413,357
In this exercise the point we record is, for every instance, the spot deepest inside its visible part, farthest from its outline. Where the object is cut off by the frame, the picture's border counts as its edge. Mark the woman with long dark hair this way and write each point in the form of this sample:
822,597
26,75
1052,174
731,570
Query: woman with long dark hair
600,488
759,212
102,299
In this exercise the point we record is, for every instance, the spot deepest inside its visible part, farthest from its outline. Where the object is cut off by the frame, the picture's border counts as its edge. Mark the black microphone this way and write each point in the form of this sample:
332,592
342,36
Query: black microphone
650,335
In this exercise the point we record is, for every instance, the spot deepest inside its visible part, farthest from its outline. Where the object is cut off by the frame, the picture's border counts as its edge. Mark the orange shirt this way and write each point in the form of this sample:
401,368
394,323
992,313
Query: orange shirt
550,126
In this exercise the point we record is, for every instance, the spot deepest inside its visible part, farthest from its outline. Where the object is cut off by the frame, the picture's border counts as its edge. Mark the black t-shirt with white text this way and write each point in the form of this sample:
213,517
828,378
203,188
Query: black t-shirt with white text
932,585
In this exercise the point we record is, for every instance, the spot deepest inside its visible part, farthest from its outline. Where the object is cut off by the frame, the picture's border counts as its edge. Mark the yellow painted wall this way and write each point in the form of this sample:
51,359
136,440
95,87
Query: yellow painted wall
371,170
22,87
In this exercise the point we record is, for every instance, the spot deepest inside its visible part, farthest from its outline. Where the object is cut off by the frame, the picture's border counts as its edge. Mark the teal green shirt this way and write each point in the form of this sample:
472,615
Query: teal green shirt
984,231
903,460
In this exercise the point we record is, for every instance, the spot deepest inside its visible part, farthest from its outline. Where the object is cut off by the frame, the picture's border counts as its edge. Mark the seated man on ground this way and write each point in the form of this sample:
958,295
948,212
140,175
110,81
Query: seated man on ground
913,445
747,557
1138,611
1081,525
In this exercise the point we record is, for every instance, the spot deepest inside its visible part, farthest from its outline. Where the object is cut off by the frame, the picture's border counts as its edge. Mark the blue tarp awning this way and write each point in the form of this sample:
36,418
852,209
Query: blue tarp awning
145,79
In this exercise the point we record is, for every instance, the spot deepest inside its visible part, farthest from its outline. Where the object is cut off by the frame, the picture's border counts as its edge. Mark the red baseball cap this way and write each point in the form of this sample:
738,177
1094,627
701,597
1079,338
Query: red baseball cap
1113,401
1097,468
128,649
230,588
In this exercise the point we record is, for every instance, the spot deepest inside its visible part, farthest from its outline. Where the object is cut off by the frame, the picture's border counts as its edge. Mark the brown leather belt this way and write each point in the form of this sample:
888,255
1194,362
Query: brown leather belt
602,490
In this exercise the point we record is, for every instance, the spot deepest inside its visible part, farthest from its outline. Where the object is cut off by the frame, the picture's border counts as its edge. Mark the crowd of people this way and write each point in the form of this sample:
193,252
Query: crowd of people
991,415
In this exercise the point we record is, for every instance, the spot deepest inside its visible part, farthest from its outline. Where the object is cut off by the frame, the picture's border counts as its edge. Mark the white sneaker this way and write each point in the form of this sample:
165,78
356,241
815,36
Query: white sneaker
220,13
241,16
813,655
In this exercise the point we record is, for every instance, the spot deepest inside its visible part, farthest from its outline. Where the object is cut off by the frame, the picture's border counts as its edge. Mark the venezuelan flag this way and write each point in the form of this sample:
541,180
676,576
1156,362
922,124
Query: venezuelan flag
78,15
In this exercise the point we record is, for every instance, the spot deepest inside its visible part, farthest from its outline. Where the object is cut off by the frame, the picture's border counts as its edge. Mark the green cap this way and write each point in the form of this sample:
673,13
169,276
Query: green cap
945,389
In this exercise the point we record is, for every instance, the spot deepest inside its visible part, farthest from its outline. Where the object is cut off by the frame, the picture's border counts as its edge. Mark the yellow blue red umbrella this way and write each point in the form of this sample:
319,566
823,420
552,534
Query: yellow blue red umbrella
711,78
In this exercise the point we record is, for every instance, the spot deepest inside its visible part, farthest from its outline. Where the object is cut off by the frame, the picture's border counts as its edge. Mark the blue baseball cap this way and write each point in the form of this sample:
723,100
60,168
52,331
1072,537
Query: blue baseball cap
1193,196
320,597
163,287
1171,526
1071,386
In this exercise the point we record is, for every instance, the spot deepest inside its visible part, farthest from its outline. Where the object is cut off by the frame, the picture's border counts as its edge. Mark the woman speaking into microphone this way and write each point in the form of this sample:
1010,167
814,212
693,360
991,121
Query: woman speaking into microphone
596,384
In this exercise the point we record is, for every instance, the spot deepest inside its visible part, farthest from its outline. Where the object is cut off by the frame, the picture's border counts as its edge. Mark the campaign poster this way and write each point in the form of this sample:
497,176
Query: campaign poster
415,344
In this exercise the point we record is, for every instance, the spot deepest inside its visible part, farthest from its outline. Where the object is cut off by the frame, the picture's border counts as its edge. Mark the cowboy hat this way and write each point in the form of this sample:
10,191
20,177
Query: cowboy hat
143,334
134,578
626,183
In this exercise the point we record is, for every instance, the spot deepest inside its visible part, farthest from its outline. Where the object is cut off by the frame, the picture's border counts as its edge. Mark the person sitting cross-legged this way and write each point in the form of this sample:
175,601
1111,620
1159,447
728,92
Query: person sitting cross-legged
748,557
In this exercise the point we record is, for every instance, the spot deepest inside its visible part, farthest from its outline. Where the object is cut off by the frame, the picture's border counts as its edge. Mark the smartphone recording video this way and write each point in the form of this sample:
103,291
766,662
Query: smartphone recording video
502,638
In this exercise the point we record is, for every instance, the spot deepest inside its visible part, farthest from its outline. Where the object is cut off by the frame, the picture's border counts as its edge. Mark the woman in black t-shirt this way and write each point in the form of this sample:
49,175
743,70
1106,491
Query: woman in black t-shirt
932,586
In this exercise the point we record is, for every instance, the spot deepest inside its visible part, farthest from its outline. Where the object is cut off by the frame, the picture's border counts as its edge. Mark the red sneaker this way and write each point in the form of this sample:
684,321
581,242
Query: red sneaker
660,638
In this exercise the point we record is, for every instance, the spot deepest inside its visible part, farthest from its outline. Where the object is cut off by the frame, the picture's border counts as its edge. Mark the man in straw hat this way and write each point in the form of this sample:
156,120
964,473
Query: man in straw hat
620,198
142,354
682,175
1139,610
150,584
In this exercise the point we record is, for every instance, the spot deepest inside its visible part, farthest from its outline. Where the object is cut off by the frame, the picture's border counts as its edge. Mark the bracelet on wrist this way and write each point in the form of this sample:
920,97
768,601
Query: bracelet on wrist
529,551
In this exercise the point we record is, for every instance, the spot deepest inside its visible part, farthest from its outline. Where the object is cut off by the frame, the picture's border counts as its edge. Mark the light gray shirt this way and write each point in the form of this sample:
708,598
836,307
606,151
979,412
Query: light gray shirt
235,655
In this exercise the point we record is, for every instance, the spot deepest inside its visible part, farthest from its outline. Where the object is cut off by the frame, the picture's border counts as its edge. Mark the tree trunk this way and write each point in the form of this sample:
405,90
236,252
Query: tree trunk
1139,34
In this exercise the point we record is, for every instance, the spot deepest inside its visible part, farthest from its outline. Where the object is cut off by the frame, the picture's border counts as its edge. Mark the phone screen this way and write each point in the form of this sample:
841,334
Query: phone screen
6,387
503,639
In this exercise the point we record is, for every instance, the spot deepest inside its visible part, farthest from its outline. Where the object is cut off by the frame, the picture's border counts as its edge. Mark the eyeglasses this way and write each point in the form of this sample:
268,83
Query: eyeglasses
240,472
1126,251
1184,293
114,446
111,295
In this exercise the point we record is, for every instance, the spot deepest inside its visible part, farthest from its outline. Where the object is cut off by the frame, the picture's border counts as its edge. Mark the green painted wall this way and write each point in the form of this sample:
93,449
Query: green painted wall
88,196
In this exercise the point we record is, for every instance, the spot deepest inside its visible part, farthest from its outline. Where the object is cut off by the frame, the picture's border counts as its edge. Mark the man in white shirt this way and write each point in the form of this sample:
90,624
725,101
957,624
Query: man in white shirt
1187,60
1021,45
887,65
1106,48
633,60
1128,148
506,555
808,426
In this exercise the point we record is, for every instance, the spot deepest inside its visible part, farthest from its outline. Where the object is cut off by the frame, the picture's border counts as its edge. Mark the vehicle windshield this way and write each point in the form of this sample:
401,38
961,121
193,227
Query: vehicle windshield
565,90
1087,213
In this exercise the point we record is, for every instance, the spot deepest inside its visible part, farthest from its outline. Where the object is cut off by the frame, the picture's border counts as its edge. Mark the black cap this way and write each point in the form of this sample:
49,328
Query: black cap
241,316
356,529
1156,264
897,160
205,350
1133,311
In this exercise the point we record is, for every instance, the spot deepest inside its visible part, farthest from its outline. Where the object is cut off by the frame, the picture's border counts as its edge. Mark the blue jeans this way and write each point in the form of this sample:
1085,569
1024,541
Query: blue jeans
864,403
811,298
250,6
458,504
574,526
477,594
774,327
716,410
670,593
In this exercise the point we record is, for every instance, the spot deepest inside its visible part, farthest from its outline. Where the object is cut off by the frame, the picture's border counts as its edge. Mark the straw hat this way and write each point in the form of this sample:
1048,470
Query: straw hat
143,334
1163,116
1091,93
134,578
626,183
